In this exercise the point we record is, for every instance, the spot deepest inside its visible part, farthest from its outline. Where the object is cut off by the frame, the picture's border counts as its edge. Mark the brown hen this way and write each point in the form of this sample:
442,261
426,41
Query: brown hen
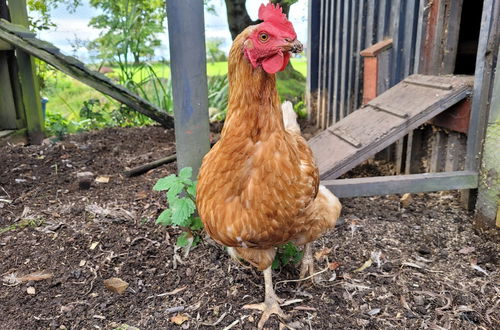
258,187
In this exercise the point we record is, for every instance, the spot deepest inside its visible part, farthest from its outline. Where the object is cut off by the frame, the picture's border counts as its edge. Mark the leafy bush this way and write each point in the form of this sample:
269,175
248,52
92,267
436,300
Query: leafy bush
218,90
181,197
287,254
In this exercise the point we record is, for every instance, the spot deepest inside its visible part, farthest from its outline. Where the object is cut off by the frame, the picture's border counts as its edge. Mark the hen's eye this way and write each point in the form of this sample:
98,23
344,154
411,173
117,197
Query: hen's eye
263,37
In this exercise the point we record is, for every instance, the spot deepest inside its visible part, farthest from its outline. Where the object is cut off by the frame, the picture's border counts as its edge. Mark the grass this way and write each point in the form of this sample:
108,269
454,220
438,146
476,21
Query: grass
67,95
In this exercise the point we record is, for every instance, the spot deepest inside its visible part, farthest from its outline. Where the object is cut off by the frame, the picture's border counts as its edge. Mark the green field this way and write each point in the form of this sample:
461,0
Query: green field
66,95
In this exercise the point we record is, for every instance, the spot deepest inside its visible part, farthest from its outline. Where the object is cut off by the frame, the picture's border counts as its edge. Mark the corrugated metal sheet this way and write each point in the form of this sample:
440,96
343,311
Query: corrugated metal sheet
339,30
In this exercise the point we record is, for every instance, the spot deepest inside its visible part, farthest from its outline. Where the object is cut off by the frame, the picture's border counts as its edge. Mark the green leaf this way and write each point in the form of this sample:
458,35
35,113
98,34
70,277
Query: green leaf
184,239
196,223
182,209
186,173
166,182
191,189
173,191
165,218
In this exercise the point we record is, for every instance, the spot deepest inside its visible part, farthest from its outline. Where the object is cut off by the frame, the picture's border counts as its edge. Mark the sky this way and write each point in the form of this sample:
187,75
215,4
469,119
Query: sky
71,26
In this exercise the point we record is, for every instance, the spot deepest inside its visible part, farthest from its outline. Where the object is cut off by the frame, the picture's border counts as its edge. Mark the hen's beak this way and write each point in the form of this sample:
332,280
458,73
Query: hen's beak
294,46
297,47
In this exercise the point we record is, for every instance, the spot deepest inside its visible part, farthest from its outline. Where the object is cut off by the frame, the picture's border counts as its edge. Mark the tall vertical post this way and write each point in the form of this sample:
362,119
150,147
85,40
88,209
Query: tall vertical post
488,199
27,77
186,31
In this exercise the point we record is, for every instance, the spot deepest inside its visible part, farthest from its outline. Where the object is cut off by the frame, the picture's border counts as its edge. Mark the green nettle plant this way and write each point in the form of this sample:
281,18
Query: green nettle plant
181,197
181,211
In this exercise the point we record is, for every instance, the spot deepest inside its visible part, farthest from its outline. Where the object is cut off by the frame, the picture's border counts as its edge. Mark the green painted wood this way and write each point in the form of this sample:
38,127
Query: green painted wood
488,198
7,106
27,77
400,184
76,69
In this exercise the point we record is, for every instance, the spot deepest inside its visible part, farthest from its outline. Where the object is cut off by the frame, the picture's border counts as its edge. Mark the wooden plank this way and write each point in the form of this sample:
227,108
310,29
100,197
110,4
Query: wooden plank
488,199
377,48
487,54
392,111
379,129
5,46
450,42
77,70
7,106
370,74
26,71
400,184
340,133
428,81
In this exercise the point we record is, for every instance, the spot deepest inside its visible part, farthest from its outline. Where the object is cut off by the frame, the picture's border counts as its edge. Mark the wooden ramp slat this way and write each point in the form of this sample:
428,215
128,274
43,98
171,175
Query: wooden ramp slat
25,40
384,120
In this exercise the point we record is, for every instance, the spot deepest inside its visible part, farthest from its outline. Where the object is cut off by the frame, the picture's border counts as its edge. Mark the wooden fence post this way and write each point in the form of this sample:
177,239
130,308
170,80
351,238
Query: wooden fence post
27,77
488,199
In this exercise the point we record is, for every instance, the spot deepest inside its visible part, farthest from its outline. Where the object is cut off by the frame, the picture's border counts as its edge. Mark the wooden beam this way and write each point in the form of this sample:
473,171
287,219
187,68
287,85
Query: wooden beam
371,66
7,106
487,54
377,48
29,83
488,197
76,69
400,184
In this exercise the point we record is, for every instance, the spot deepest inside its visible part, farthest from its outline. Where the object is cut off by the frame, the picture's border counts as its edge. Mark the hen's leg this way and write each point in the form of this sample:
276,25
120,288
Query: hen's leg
271,303
307,267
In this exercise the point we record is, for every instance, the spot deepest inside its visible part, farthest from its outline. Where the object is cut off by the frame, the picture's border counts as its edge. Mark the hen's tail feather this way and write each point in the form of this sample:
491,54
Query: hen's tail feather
290,118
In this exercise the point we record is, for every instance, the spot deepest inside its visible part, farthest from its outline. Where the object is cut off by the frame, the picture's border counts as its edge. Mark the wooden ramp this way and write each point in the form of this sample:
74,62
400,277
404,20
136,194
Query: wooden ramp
384,120
21,38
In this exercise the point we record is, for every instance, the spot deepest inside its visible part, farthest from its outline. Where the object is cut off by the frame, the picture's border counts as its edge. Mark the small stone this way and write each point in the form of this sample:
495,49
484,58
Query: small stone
405,200
84,180
387,267
421,310
31,290
424,250
419,300
116,285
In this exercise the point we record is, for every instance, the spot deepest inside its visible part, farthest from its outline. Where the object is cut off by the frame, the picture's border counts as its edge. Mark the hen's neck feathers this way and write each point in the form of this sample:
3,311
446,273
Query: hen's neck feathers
254,107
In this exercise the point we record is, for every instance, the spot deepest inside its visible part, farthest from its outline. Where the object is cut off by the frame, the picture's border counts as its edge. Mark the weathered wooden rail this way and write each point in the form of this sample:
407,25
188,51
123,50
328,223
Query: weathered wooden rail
23,39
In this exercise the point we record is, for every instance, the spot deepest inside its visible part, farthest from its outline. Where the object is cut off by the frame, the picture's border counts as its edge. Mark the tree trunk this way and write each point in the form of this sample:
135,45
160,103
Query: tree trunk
237,16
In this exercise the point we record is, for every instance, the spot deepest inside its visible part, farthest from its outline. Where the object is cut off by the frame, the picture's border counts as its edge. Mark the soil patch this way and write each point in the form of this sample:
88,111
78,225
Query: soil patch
413,267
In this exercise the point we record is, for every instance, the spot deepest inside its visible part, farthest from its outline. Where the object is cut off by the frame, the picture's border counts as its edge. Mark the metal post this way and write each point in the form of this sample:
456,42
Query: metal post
186,30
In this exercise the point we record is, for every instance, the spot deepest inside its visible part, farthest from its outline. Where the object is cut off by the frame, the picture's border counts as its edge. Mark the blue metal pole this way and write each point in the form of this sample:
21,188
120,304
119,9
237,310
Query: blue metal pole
186,30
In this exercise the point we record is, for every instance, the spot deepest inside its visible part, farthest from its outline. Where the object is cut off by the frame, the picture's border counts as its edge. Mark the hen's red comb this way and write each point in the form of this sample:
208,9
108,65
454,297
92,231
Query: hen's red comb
274,15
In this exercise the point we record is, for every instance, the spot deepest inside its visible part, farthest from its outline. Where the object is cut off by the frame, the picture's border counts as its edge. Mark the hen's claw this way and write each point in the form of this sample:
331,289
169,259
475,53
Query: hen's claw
268,308
271,304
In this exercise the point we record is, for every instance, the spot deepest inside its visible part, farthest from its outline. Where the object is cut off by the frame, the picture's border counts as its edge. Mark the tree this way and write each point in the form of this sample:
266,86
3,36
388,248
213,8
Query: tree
214,51
238,18
39,11
130,27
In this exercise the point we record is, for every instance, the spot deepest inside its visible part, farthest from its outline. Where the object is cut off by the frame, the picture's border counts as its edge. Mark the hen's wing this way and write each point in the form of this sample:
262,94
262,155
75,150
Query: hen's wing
324,211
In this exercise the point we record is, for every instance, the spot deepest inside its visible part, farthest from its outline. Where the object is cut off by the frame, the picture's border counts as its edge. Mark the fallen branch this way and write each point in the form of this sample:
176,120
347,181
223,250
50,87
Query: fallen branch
149,166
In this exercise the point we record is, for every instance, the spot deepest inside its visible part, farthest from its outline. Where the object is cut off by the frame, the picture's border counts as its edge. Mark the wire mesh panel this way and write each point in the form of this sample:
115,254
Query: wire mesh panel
339,30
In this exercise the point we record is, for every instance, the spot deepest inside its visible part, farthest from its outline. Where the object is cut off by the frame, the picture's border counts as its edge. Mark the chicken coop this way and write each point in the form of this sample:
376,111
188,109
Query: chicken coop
411,82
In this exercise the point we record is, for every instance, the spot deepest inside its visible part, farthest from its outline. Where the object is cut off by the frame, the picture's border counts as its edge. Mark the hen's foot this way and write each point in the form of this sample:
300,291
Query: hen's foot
269,307
271,304
307,265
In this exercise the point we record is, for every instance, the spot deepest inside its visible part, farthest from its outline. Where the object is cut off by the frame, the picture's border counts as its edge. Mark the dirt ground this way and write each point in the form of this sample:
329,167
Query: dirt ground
416,266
